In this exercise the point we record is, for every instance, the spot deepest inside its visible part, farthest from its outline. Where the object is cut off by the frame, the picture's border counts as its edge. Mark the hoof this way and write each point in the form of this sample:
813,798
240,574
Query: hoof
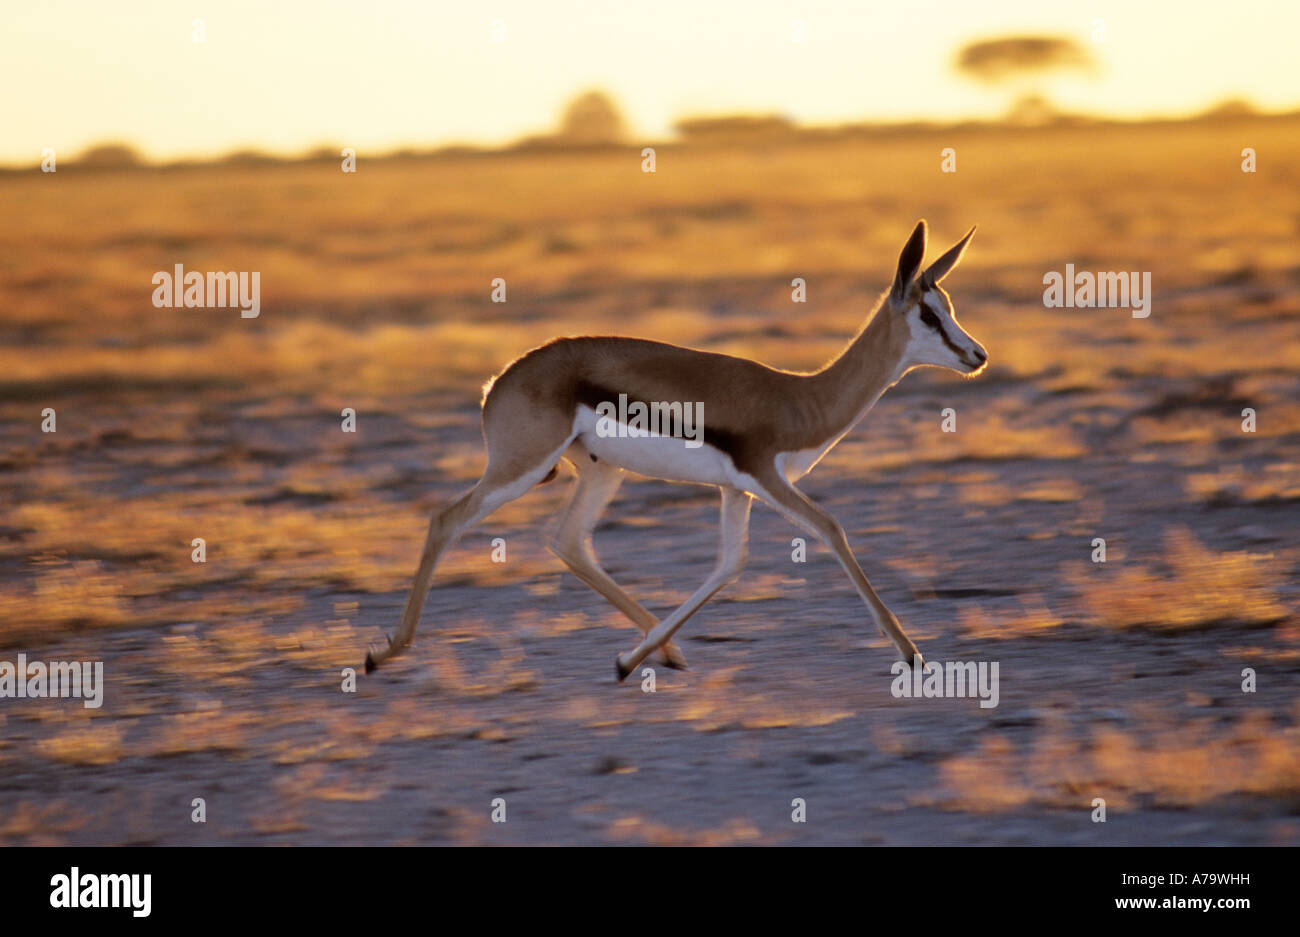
676,663
620,669
371,663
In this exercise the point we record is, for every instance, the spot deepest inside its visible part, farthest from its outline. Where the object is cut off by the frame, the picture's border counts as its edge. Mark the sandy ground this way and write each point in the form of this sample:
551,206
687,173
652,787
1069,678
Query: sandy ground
1120,681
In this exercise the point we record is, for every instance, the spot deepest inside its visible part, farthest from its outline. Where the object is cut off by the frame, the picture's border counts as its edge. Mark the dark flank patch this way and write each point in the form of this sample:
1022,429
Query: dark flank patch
592,395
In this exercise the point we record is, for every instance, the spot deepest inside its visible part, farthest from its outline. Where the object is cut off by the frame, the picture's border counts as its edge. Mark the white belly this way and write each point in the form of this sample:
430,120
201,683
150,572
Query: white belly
665,457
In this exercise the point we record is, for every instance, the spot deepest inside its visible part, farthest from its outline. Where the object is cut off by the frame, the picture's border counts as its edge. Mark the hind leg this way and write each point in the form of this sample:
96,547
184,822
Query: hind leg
597,483
497,487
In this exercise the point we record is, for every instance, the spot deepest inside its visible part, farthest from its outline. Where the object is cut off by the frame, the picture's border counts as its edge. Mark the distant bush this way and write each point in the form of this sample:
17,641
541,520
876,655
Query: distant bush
739,127
247,158
323,152
592,118
110,156
1232,107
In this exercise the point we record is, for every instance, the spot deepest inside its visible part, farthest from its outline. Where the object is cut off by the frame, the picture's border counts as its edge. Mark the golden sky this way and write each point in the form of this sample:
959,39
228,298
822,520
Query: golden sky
284,76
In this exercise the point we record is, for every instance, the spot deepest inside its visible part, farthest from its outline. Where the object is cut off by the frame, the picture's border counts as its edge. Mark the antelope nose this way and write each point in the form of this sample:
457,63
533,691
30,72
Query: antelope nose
980,355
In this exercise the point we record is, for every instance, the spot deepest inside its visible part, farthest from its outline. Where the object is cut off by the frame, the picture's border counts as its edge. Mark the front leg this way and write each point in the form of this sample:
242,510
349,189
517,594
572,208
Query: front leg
801,511
732,553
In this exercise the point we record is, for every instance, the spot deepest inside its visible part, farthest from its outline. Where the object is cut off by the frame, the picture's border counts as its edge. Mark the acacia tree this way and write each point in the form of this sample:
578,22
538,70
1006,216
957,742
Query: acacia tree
1023,64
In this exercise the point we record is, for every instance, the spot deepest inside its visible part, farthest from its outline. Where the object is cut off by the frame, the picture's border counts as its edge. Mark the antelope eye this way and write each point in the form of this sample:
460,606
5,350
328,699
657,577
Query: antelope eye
929,318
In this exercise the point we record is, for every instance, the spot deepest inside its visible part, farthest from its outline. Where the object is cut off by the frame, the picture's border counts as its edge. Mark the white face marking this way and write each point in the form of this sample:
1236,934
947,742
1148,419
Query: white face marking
949,345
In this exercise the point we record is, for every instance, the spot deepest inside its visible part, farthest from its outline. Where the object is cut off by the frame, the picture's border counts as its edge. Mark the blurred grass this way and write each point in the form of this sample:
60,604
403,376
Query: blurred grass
180,423
194,422
1197,587
1161,765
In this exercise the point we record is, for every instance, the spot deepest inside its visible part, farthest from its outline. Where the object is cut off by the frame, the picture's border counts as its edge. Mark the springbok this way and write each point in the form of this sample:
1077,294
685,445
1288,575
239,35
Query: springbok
763,429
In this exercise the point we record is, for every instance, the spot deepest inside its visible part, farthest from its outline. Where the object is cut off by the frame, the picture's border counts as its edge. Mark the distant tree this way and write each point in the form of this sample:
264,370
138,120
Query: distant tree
1023,63
110,156
997,60
592,117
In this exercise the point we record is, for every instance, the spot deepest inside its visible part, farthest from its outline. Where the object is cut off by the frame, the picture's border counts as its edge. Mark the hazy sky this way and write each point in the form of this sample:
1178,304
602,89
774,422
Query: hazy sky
287,75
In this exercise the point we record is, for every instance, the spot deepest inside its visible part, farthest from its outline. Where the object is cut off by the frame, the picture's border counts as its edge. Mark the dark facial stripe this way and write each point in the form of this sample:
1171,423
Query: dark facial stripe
961,355
947,341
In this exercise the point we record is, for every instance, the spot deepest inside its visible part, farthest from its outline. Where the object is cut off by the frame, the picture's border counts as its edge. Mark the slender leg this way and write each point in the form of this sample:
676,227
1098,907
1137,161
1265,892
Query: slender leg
732,554
445,529
596,486
797,508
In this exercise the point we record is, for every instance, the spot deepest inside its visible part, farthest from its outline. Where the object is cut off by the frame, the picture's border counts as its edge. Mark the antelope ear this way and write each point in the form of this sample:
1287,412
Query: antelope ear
943,266
909,262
